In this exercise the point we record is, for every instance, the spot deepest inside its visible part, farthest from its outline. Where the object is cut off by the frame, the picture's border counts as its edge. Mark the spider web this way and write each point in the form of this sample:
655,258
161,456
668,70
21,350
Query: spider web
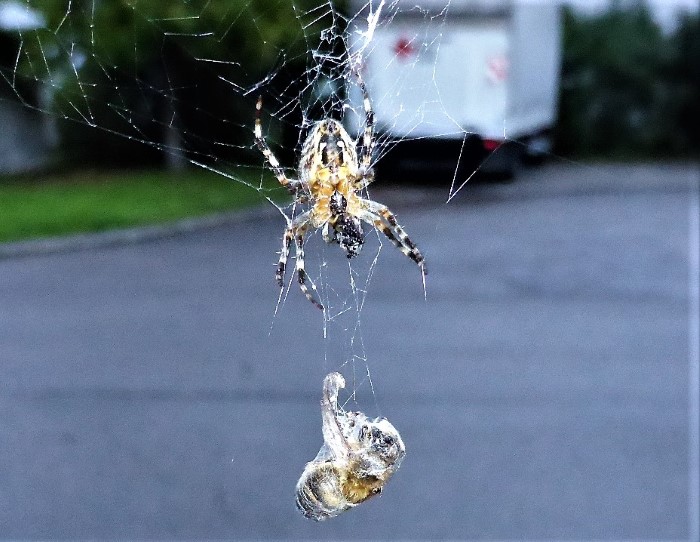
176,83
179,82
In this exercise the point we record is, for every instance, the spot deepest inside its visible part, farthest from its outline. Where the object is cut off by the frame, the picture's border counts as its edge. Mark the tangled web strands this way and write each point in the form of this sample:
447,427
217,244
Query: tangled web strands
177,83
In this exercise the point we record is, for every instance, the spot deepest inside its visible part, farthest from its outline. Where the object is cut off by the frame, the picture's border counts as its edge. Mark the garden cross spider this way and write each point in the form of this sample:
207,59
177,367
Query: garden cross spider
331,179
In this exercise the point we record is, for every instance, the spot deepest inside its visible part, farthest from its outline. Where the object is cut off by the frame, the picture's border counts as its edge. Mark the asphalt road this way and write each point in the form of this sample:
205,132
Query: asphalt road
157,390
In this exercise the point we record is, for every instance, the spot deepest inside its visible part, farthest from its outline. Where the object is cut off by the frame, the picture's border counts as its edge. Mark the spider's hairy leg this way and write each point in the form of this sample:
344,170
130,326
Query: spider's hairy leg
326,233
380,225
282,264
289,184
301,271
295,228
384,220
365,153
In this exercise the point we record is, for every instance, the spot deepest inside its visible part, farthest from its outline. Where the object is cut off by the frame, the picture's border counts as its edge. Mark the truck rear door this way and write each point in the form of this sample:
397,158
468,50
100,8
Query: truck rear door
440,82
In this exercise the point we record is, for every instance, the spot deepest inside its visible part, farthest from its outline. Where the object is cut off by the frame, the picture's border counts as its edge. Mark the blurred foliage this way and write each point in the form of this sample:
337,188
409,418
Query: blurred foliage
152,70
133,34
628,90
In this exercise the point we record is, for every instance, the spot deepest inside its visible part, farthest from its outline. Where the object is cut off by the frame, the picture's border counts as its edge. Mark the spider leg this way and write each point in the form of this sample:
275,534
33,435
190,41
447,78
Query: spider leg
289,184
367,145
295,227
296,230
384,220
326,233
301,271
282,264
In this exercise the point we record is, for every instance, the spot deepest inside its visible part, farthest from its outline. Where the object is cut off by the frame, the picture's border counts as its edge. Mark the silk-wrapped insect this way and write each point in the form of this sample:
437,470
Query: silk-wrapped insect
356,460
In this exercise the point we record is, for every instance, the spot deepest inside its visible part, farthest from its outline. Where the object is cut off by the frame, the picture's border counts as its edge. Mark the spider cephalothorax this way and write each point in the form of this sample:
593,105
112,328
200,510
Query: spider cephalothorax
332,176
331,147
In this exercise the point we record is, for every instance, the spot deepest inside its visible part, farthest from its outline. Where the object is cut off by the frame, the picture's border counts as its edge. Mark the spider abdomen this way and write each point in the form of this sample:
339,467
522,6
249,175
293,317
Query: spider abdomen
348,233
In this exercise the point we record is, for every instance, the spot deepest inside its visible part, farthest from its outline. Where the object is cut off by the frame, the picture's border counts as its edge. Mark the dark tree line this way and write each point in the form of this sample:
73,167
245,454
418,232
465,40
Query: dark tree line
628,89
177,73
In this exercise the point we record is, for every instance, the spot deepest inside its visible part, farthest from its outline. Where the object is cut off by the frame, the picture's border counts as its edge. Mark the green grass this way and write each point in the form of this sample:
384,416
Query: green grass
54,205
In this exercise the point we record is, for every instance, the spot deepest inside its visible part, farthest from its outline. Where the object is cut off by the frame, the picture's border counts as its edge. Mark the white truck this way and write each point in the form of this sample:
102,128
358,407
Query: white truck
466,76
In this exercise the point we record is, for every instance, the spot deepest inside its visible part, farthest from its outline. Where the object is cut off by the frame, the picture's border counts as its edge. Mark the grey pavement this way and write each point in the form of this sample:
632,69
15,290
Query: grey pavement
158,390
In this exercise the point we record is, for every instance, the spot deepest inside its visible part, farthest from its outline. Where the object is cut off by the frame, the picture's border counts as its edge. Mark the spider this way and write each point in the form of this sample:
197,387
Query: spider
333,171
